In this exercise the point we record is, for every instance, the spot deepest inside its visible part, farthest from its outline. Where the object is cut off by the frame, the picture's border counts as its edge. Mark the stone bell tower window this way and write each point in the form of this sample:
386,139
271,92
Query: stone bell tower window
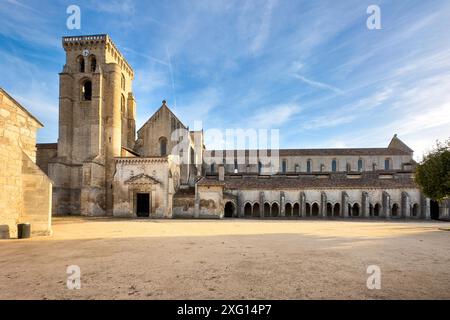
163,146
80,61
93,63
86,91
122,82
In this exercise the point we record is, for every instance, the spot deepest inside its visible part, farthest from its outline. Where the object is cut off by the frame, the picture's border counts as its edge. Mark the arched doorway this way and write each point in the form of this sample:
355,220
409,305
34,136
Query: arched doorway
248,210
415,210
434,209
315,210
355,210
337,210
266,210
308,209
376,210
288,210
329,210
296,210
229,209
371,210
275,209
255,212
394,212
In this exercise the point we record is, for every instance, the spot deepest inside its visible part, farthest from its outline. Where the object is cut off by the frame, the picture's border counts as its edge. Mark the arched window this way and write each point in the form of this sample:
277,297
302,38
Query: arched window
163,146
387,164
122,82
283,166
259,167
360,165
86,91
80,61
122,104
334,165
308,166
213,168
93,63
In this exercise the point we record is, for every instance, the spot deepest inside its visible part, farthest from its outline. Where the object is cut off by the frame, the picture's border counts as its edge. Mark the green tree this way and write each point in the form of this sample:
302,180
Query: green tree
433,173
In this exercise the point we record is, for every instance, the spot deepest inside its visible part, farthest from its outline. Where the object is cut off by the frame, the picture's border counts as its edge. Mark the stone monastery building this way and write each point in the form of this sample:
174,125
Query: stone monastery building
100,168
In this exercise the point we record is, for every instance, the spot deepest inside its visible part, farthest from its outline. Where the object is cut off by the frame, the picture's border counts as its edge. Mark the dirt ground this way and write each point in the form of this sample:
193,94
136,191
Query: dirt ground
229,259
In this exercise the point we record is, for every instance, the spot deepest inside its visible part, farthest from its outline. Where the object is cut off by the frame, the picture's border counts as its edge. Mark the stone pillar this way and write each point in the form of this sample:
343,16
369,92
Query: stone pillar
197,203
344,204
323,204
239,209
426,214
365,205
282,204
262,199
406,205
302,208
386,205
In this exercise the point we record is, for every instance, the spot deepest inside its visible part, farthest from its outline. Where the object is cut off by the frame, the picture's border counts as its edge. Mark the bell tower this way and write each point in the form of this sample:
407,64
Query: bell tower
96,120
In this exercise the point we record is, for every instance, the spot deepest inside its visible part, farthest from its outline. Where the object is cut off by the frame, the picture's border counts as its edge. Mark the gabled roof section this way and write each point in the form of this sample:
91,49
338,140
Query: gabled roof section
142,179
20,106
163,106
398,144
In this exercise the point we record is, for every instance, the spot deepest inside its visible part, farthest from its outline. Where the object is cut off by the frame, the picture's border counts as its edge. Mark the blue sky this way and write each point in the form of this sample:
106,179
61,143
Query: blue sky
309,68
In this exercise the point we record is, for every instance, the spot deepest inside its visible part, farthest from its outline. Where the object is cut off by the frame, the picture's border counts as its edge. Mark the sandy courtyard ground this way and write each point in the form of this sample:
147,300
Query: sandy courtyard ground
229,259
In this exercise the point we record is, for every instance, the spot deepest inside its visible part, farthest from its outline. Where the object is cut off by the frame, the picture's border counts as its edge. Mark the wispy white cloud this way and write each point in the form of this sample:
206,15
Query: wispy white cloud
274,116
318,84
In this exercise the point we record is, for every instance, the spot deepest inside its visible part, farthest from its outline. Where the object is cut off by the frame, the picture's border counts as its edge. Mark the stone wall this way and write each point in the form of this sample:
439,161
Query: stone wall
45,152
24,188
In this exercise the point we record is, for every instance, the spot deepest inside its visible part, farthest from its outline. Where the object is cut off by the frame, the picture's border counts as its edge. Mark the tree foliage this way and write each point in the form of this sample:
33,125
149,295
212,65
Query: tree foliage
433,173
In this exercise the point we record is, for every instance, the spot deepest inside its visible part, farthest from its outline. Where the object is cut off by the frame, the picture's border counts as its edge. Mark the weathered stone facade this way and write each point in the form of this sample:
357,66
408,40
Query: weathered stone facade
25,191
100,169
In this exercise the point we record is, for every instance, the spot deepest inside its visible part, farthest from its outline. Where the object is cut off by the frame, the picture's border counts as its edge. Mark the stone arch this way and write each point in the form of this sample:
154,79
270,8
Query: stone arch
288,209
80,64
86,90
415,210
355,210
329,209
248,209
122,104
92,63
376,210
255,210
308,209
163,146
266,209
122,82
337,210
315,209
395,210
229,209
296,210
275,209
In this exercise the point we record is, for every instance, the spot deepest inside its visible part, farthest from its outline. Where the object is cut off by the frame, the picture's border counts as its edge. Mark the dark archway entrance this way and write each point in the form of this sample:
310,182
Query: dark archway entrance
376,210
308,209
337,210
275,210
395,210
266,210
256,212
288,210
434,209
329,209
355,210
296,210
315,210
229,210
143,204
248,210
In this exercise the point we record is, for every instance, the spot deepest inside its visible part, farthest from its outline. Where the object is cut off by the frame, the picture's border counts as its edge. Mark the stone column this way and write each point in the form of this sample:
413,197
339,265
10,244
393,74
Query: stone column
386,205
282,204
302,208
239,209
406,205
426,214
365,204
344,204
323,204
262,199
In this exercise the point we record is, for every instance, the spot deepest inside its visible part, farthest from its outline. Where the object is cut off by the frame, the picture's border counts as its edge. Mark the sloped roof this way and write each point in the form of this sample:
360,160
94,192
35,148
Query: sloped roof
163,106
338,181
20,106
318,152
